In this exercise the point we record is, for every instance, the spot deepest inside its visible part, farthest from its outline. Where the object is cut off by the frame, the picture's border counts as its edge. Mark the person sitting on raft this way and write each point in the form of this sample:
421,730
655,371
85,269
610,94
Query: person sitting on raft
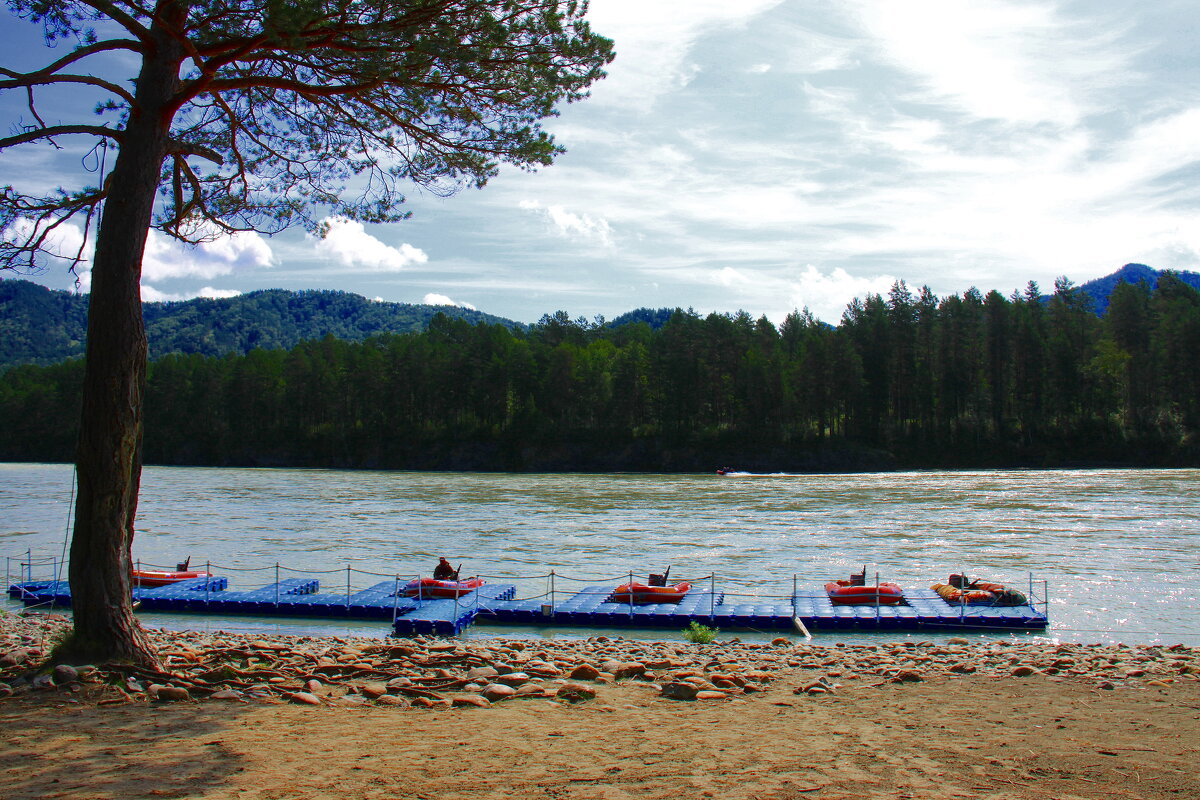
444,572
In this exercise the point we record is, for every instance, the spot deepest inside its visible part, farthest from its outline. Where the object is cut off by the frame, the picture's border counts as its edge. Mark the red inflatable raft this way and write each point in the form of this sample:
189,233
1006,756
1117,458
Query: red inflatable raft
642,593
846,593
432,587
154,577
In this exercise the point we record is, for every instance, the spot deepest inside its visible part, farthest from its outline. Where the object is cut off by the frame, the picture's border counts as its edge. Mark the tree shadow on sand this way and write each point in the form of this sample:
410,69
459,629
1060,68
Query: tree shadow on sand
139,750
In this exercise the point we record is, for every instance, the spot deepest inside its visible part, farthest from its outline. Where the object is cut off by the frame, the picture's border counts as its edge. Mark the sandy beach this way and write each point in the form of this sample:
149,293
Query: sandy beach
268,718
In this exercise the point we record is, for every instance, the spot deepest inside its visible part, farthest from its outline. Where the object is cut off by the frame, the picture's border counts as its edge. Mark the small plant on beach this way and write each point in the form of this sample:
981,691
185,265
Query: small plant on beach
700,634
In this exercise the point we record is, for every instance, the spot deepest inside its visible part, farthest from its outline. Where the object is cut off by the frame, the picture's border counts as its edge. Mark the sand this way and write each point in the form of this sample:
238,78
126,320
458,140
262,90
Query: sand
317,718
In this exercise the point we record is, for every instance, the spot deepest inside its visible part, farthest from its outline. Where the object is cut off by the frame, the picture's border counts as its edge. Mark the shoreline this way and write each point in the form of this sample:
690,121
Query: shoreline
276,716
26,639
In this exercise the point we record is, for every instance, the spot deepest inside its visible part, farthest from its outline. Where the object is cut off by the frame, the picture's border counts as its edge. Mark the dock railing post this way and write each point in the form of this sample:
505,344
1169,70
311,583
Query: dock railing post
712,597
207,580
876,598
631,594
395,601
277,584
962,597
420,592
347,590
138,582
29,564
457,591
551,594
795,594
7,573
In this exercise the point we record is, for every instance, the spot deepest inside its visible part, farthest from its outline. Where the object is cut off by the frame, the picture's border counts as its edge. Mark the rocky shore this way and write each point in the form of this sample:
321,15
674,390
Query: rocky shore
440,673
292,718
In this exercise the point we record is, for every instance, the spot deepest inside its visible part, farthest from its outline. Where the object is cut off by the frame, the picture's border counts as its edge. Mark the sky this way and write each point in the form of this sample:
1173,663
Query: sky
771,155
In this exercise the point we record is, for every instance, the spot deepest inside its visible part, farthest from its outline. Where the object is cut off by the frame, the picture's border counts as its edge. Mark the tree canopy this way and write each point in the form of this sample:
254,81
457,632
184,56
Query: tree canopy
274,109
254,115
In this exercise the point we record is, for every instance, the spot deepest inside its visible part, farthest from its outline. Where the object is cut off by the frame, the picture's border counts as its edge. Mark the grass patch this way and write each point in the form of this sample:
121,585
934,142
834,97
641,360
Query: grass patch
700,634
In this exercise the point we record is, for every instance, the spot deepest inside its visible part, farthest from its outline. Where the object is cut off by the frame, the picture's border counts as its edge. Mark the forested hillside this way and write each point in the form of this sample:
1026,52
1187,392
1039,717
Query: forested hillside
45,326
1100,289
910,380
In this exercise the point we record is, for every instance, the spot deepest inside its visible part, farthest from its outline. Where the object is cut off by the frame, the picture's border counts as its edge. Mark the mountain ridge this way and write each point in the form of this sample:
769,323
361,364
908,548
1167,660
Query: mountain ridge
39,325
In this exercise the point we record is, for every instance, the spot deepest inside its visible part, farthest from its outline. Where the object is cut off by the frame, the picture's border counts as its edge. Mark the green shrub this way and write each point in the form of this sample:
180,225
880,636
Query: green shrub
699,634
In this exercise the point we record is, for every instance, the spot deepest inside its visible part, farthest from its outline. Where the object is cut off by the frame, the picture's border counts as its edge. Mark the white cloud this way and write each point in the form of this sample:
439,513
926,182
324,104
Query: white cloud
217,294
995,59
434,299
348,241
152,295
654,40
166,258
826,295
728,276
60,247
571,225
758,69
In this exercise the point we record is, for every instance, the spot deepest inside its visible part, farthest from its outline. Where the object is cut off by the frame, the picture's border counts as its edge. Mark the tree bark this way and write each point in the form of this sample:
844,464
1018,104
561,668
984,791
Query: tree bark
108,454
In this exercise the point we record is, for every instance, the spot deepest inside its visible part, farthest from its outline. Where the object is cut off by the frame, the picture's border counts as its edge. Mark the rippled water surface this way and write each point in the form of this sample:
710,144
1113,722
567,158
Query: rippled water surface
1120,550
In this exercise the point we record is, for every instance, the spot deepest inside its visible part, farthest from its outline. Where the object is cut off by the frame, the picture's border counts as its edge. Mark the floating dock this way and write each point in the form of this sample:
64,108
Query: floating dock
589,606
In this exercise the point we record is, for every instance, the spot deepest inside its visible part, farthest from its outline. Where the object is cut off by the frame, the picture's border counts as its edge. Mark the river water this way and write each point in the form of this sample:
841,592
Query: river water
1119,550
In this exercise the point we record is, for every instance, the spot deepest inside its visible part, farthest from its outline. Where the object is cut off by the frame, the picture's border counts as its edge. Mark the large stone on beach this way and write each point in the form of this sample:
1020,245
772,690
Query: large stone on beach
498,691
304,698
14,657
64,674
476,673
575,692
471,700
513,679
628,669
908,676
173,694
711,695
373,690
585,672
679,690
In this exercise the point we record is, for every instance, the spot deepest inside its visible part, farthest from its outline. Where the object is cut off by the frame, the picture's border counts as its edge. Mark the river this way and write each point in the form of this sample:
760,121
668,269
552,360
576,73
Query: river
1119,550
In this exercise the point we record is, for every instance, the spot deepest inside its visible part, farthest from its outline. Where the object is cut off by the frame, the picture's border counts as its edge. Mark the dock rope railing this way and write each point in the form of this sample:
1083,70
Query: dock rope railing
553,583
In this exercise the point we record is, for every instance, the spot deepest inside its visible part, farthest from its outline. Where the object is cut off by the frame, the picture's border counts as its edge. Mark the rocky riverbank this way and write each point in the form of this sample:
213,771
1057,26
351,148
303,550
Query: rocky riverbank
278,717
438,673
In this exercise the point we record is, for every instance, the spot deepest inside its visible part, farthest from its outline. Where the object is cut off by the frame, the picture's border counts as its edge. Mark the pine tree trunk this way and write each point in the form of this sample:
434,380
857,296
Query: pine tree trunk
108,454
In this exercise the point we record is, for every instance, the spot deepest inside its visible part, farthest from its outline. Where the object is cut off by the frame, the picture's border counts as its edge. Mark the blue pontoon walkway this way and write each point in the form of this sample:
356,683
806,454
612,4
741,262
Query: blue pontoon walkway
590,606
293,597
924,608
